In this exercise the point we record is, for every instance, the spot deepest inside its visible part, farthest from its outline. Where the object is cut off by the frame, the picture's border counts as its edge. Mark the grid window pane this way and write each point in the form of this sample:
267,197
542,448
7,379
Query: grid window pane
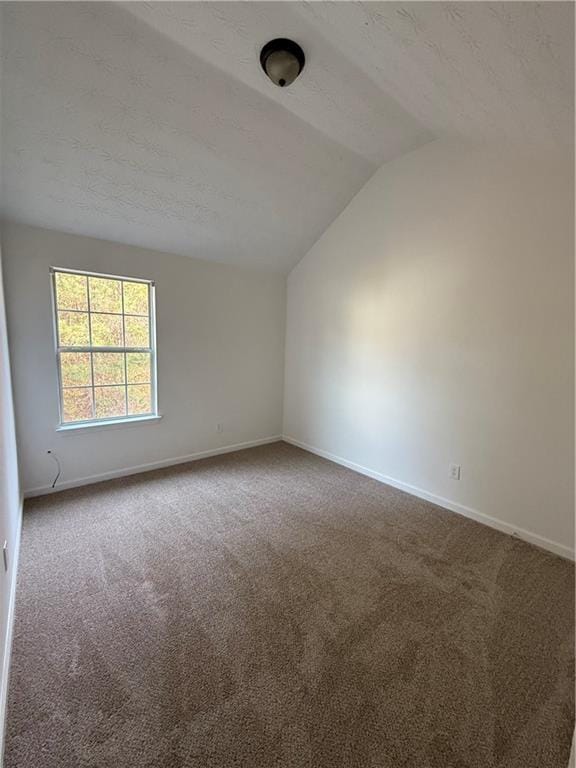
109,374
138,368
110,402
73,329
137,331
75,369
105,295
71,291
106,330
139,399
136,298
77,404
108,367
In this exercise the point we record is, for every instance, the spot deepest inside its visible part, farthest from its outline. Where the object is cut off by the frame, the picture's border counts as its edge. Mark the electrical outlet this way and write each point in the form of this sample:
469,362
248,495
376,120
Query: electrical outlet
219,427
454,471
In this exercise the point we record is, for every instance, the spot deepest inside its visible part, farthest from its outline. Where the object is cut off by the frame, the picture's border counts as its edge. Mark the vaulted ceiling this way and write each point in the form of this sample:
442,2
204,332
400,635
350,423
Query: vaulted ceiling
153,124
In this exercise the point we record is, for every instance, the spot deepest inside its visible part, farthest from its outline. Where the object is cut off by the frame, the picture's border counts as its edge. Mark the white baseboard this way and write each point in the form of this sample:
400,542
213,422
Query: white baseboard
125,472
453,506
473,514
4,680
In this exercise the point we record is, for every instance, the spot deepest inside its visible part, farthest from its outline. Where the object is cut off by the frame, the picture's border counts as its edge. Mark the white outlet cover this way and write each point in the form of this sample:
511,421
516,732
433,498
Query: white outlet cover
454,471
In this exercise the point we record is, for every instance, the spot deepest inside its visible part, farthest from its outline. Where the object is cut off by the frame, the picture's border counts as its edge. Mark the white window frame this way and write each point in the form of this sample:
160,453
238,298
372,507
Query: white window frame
118,420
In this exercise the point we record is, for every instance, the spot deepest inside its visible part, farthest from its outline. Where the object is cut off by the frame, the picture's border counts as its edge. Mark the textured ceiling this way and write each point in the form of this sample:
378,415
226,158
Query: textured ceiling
152,123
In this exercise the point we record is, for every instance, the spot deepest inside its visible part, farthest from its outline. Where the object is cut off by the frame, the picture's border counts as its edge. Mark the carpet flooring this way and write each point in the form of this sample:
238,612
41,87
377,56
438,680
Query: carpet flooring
270,609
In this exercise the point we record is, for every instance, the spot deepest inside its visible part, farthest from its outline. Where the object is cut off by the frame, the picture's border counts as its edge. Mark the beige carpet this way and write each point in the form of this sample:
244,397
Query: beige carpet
270,609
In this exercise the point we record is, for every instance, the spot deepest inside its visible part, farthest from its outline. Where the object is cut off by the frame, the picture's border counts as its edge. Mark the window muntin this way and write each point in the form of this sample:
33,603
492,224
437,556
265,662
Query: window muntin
105,347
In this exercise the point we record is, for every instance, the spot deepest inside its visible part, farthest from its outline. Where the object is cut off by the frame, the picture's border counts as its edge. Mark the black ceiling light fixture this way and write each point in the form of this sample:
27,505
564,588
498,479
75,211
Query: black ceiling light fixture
282,60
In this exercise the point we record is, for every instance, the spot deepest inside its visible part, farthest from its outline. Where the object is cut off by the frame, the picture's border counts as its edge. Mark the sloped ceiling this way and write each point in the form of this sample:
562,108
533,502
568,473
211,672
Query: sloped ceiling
152,123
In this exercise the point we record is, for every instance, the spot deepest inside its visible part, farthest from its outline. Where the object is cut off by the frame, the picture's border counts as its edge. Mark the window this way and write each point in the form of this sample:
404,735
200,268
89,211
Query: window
105,347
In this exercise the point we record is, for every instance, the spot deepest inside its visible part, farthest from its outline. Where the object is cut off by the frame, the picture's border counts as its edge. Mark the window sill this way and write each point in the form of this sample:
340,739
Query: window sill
70,429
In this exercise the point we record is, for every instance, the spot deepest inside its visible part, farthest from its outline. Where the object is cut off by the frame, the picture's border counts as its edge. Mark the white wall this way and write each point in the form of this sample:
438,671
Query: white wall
433,323
220,334
10,503
10,508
